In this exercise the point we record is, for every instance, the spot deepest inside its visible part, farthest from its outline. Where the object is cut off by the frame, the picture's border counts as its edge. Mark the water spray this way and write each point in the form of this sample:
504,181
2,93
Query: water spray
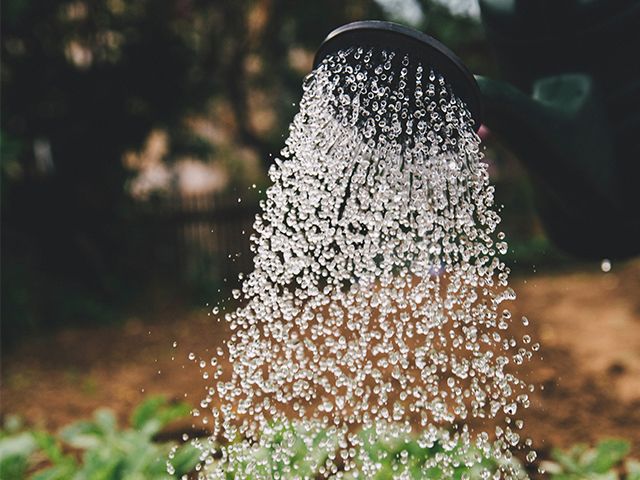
569,110
378,307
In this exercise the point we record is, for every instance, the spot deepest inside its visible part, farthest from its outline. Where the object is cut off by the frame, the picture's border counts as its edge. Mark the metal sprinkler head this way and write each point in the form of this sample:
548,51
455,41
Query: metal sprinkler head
418,46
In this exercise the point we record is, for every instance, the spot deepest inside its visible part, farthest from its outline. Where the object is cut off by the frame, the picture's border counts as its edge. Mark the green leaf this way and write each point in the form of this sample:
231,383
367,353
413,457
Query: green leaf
49,445
101,464
15,451
22,444
566,476
63,471
146,411
569,461
633,469
185,459
106,421
155,413
13,467
83,435
608,454
604,476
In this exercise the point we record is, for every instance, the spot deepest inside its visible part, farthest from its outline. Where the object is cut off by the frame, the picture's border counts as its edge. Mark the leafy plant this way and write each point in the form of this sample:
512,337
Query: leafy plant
296,452
407,458
305,451
108,452
605,461
15,449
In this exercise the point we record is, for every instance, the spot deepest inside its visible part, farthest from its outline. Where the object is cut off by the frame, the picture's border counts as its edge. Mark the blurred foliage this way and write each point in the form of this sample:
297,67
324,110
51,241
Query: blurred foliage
108,453
607,460
98,449
85,82
307,452
406,458
463,35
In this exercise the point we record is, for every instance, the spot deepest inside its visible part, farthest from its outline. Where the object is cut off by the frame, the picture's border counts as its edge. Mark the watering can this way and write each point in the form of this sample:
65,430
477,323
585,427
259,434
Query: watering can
570,112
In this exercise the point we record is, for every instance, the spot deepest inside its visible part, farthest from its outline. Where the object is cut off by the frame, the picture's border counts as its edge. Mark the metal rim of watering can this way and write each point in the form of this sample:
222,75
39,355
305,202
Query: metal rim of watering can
420,46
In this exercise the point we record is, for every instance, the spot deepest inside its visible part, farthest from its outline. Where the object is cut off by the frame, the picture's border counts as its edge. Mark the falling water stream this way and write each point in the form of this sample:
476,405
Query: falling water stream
378,298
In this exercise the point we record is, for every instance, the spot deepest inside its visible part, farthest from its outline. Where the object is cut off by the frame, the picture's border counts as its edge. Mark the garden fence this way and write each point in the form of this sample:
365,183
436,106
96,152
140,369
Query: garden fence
199,237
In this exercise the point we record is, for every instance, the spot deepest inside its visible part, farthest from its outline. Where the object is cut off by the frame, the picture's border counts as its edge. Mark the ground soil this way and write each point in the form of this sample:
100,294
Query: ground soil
588,373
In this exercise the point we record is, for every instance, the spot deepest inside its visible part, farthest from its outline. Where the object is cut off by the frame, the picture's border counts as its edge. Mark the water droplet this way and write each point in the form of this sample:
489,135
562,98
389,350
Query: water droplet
375,301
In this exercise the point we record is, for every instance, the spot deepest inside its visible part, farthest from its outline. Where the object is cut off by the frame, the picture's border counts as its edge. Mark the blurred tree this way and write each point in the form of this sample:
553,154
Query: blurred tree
83,81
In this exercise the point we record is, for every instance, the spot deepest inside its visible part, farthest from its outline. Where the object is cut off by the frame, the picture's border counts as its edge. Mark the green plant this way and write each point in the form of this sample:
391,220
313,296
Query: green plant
296,452
305,450
15,449
606,461
108,453
405,457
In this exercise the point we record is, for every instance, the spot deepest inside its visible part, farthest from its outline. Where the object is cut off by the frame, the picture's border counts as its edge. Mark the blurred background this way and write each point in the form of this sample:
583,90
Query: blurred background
131,129
136,137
